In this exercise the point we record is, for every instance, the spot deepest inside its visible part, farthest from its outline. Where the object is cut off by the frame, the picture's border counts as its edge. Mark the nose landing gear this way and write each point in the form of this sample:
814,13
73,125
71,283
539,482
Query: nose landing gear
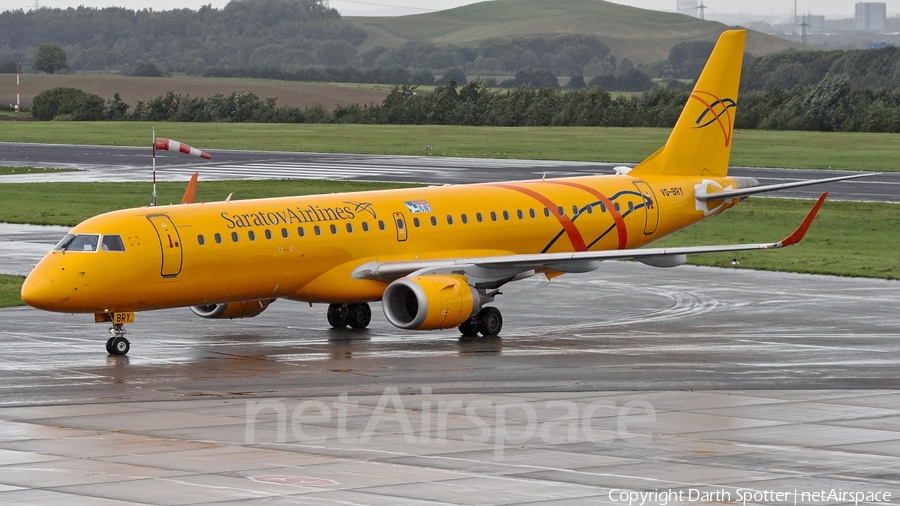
117,344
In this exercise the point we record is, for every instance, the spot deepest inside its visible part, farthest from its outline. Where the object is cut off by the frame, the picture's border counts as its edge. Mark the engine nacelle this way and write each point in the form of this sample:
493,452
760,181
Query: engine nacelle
430,302
243,309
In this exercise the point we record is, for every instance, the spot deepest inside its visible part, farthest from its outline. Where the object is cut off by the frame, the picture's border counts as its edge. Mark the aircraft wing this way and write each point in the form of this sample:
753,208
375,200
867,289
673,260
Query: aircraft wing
495,268
743,192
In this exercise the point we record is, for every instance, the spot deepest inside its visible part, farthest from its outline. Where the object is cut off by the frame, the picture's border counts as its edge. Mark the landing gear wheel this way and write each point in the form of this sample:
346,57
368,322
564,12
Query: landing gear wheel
337,315
490,321
119,346
109,348
469,328
359,315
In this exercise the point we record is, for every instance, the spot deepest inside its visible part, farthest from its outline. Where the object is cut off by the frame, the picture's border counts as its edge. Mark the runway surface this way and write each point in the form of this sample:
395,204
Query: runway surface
104,163
706,385
697,380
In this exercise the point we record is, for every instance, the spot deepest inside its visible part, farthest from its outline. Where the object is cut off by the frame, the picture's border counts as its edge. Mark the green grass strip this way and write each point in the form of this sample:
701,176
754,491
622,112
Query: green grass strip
5,171
846,238
72,203
756,148
10,290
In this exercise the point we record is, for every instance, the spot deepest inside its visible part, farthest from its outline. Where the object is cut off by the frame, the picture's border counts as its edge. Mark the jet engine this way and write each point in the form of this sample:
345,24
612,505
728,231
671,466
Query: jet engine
430,302
243,309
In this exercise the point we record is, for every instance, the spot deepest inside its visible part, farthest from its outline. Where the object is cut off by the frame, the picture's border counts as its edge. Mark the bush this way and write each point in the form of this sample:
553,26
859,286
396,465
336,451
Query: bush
69,104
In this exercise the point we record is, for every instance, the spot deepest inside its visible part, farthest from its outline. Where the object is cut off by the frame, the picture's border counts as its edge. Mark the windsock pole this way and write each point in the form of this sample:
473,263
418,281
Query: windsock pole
153,202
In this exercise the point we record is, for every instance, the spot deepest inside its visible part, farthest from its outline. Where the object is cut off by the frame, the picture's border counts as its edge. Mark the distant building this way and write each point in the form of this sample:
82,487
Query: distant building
880,45
813,23
870,16
688,7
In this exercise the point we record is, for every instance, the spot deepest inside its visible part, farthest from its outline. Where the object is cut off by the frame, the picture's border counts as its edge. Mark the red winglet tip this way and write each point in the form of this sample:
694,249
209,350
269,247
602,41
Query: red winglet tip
191,191
801,230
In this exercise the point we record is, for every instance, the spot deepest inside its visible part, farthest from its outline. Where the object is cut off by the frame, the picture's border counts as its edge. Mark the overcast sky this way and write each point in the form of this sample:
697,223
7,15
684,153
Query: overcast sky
758,8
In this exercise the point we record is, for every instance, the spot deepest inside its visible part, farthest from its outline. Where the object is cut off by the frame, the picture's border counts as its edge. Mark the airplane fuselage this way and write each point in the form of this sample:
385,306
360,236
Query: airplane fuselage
305,248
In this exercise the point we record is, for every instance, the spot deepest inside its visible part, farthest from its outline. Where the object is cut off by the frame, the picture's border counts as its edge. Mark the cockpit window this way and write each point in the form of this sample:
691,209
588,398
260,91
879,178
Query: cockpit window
112,243
81,242
64,243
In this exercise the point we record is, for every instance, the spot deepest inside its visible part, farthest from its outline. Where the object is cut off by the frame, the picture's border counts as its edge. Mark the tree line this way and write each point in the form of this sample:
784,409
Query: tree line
831,105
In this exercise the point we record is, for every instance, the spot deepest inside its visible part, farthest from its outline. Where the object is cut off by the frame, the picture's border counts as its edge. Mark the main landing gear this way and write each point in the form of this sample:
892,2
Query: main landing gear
117,344
488,321
356,315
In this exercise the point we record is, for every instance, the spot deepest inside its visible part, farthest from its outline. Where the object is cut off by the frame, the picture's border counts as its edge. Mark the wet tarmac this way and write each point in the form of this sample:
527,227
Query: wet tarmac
690,380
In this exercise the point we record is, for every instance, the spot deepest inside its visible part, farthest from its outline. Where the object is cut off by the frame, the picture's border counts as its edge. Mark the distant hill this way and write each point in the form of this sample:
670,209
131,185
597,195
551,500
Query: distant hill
643,36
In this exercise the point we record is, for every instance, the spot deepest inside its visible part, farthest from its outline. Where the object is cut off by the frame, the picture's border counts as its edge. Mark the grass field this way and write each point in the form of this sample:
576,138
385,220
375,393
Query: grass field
72,203
132,88
805,150
10,288
5,171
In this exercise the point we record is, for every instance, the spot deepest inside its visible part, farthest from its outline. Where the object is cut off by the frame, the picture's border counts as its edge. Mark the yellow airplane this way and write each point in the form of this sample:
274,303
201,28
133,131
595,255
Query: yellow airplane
433,256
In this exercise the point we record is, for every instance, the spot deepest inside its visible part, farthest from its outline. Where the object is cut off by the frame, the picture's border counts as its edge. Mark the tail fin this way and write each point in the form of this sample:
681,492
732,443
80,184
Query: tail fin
700,143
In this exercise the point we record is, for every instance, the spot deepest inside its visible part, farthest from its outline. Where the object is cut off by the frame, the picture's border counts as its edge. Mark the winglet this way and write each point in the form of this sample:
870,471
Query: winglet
191,192
801,230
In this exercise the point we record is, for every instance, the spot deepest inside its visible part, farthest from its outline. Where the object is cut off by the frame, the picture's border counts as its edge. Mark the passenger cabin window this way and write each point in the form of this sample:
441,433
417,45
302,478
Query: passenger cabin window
333,229
546,213
506,215
562,212
465,219
218,238
79,242
349,228
493,216
574,210
532,213
365,226
416,222
616,205
284,233
449,220
630,205
478,217
200,240
380,225
317,230
234,237
300,231
519,214
252,235
114,243
269,234
433,221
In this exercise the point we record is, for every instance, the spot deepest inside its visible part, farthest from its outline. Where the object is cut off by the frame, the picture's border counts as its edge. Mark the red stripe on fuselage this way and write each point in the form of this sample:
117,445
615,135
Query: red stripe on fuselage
617,217
571,230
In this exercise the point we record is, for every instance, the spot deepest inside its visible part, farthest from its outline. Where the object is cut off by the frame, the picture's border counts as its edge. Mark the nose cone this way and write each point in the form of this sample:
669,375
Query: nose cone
38,291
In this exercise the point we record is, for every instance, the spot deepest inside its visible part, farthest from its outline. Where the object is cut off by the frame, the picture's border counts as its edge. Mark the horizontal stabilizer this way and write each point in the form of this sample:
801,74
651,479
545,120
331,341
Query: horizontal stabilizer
743,192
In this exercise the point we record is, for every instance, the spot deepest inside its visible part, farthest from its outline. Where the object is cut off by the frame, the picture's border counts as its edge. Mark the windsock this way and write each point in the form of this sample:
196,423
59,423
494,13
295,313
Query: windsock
170,145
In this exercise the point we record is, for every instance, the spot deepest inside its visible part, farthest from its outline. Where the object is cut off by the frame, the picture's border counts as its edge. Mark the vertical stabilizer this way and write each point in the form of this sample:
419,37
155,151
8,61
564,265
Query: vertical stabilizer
700,143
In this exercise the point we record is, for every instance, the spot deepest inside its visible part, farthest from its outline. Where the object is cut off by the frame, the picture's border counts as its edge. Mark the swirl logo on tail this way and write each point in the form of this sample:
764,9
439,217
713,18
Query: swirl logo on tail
715,109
